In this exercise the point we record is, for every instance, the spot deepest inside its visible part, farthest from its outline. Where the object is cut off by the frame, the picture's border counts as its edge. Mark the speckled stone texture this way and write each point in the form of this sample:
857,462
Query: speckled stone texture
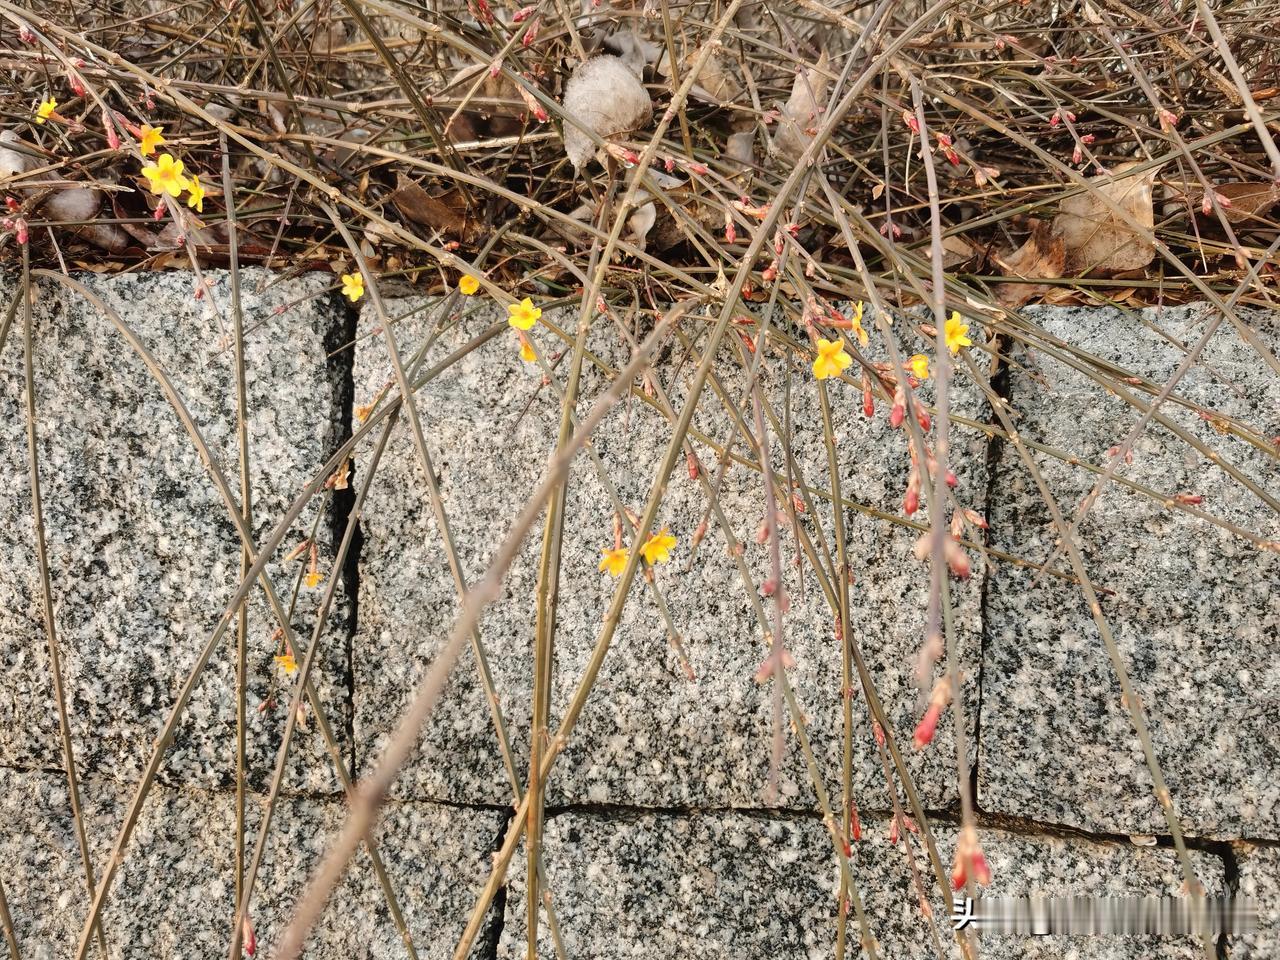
174,897
1259,878
648,735
1195,609
143,554
733,885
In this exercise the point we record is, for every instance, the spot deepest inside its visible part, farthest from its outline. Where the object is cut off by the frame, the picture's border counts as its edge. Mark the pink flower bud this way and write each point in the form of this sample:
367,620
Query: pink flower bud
927,726
910,120
899,409
911,502
957,559
979,867
248,937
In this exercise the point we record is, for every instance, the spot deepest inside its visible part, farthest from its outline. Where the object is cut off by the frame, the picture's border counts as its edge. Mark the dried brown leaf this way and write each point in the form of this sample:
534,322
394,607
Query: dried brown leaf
1250,202
1042,257
1098,242
446,213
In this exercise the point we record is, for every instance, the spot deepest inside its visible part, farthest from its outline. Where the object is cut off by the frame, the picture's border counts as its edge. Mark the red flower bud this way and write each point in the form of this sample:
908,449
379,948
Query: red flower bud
927,726
911,502
248,937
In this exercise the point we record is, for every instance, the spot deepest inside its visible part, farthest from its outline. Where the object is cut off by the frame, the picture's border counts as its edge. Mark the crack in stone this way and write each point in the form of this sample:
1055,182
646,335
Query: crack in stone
1000,384
341,363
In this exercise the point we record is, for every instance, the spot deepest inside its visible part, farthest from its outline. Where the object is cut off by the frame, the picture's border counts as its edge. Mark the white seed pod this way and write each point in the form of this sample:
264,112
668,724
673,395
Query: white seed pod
606,98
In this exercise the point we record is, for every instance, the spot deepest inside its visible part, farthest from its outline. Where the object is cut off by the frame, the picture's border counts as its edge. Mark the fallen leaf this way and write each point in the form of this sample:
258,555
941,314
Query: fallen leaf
446,213
799,114
956,252
1042,257
606,98
1096,241
1250,202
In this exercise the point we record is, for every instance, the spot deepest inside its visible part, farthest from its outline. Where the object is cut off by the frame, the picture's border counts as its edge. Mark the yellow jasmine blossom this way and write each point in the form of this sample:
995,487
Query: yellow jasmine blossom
195,195
955,333
526,351
857,324
657,549
150,139
831,359
165,176
613,561
312,579
468,285
45,110
353,286
523,315
919,365
287,661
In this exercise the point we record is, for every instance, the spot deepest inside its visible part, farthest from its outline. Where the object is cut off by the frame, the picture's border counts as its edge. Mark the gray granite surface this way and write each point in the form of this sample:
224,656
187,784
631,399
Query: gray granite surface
663,837
1259,878
733,885
648,735
143,555
1195,610
174,896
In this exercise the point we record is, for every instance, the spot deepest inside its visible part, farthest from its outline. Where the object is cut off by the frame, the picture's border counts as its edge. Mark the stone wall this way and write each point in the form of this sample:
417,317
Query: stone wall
662,837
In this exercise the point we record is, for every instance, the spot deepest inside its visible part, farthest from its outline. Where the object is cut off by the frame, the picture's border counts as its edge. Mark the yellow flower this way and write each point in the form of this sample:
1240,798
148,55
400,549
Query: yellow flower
919,365
312,579
468,285
613,561
831,359
165,176
857,324
353,286
150,139
45,110
287,661
195,196
523,314
657,549
526,351
955,333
